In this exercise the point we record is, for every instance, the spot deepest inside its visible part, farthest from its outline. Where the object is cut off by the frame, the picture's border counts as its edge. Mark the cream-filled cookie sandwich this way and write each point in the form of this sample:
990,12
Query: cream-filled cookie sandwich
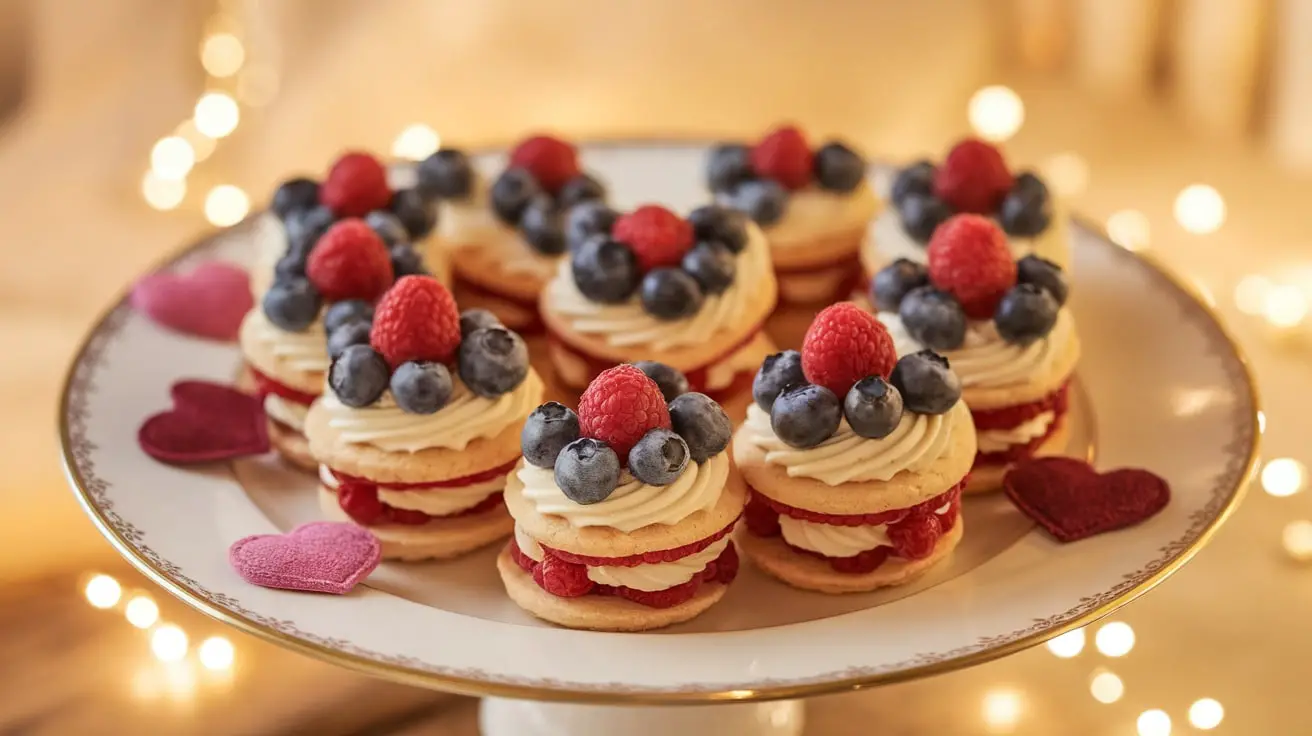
855,459
974,179
421,424
623,511
814,206
1003,325
507,238
357,186
692,293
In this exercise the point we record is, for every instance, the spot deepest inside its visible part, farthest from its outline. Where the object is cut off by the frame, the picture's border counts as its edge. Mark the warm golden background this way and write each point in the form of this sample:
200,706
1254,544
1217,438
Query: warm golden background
1124,103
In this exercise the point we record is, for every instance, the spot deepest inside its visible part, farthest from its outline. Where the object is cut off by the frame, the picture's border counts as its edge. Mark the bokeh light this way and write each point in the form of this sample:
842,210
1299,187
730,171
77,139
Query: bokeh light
216,114
163,194
1200,209
1154,723
1129,229
1297,539
222,55
1106,687
216,653
1002,709
1285,306
416,142
1115,639
172,158
1067,174
169,643
1251,293
1067,645
996,113
1206,714
202,146
141,612
1283,476
103,591
226,205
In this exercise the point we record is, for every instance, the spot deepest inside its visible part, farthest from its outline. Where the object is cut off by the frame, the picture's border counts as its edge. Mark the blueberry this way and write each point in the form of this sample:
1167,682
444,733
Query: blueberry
659,457
724,225
671,381
347,310
492,361
763,200
805,415
1027,208
358,376
921,214
421,387
540,225
290,266
582,188
587,471
351,333
587,219
406,261
445,174
1025,314
933,318
415,212
292,305
728,165
873,408
474,319
701,423
511,193
295,194
605,270
778,372
1044,274
926,382
670,294
549,428
918,178
712,266
895,281
839,168
387,226
305,227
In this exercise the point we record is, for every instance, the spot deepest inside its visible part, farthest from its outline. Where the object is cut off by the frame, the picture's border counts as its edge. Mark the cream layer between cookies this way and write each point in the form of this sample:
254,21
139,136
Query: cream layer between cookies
832,540
648,577
435,502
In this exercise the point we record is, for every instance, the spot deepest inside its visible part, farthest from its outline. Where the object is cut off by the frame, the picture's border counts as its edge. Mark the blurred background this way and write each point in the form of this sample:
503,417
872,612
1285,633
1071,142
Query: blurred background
131,127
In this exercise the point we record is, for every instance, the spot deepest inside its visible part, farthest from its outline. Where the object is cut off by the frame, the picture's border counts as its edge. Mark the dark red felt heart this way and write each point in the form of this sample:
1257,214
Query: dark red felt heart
208,422
1073,501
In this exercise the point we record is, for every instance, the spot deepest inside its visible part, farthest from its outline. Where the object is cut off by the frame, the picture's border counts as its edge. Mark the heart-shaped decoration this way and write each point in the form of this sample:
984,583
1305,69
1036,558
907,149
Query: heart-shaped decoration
1073,501
210,301
319,557
208,422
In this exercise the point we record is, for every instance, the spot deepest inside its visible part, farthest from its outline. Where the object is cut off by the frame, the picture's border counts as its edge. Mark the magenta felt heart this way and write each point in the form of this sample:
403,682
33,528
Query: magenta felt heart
1073,501
210,301
319,557
208,422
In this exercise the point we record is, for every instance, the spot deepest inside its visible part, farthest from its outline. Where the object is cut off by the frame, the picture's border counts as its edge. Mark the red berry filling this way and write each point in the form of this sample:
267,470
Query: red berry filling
358,497
646,558
1012,416
265,385
893,516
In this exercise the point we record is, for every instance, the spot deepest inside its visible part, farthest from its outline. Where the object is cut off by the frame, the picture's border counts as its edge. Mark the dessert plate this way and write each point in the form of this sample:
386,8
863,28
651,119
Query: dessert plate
1161,385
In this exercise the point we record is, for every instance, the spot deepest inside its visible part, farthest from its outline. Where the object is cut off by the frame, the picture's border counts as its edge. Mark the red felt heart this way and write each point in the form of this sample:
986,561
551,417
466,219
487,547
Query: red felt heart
210,301
208,422
1073,501
320,557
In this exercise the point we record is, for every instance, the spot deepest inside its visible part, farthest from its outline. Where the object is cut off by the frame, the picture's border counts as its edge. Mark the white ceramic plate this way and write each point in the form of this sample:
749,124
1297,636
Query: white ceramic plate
1169,390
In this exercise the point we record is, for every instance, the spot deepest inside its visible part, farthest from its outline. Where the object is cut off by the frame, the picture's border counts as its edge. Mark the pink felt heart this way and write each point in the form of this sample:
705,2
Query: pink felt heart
1073,501
319,557
208,422
210,301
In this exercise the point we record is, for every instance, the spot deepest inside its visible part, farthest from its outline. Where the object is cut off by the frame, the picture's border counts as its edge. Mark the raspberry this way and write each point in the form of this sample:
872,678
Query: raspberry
416,319
1011,416
844,345
550,160
762,520
783,156
884,517
969,258
408,517
526,563
646,558
948,519
361,504
657,236
667,598
914,537
350,261
619,407
973,178
355,186
862,562
726,565
564,579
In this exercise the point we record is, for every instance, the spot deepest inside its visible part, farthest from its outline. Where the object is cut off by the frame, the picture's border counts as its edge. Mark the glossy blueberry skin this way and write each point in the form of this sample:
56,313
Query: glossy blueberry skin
587,471
873,408
290,266
918,178
346,335
659,457
347,310
511,193
473,319
839,168
778,372
1044,274
292,304
415,211
580,189
922,214
406,261
446,174
547,431
721,224
305,227
421,387
1026,313
541,227
605,270
763,200
671,381
587,219
359,376
727,166
893,282
933,318
806,415
1027,209
926,382
387,226
702,423
299,193
711,265
492,361
670,294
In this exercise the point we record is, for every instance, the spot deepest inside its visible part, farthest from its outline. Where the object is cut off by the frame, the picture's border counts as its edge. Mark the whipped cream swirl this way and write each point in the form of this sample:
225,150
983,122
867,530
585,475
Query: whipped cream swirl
832,540
305,351
465,418
634,504
985,360
816,213
846,457
628,324
645,577
286,412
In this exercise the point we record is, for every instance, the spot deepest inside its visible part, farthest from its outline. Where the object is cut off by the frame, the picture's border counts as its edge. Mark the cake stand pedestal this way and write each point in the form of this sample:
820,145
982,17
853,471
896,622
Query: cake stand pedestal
505,717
